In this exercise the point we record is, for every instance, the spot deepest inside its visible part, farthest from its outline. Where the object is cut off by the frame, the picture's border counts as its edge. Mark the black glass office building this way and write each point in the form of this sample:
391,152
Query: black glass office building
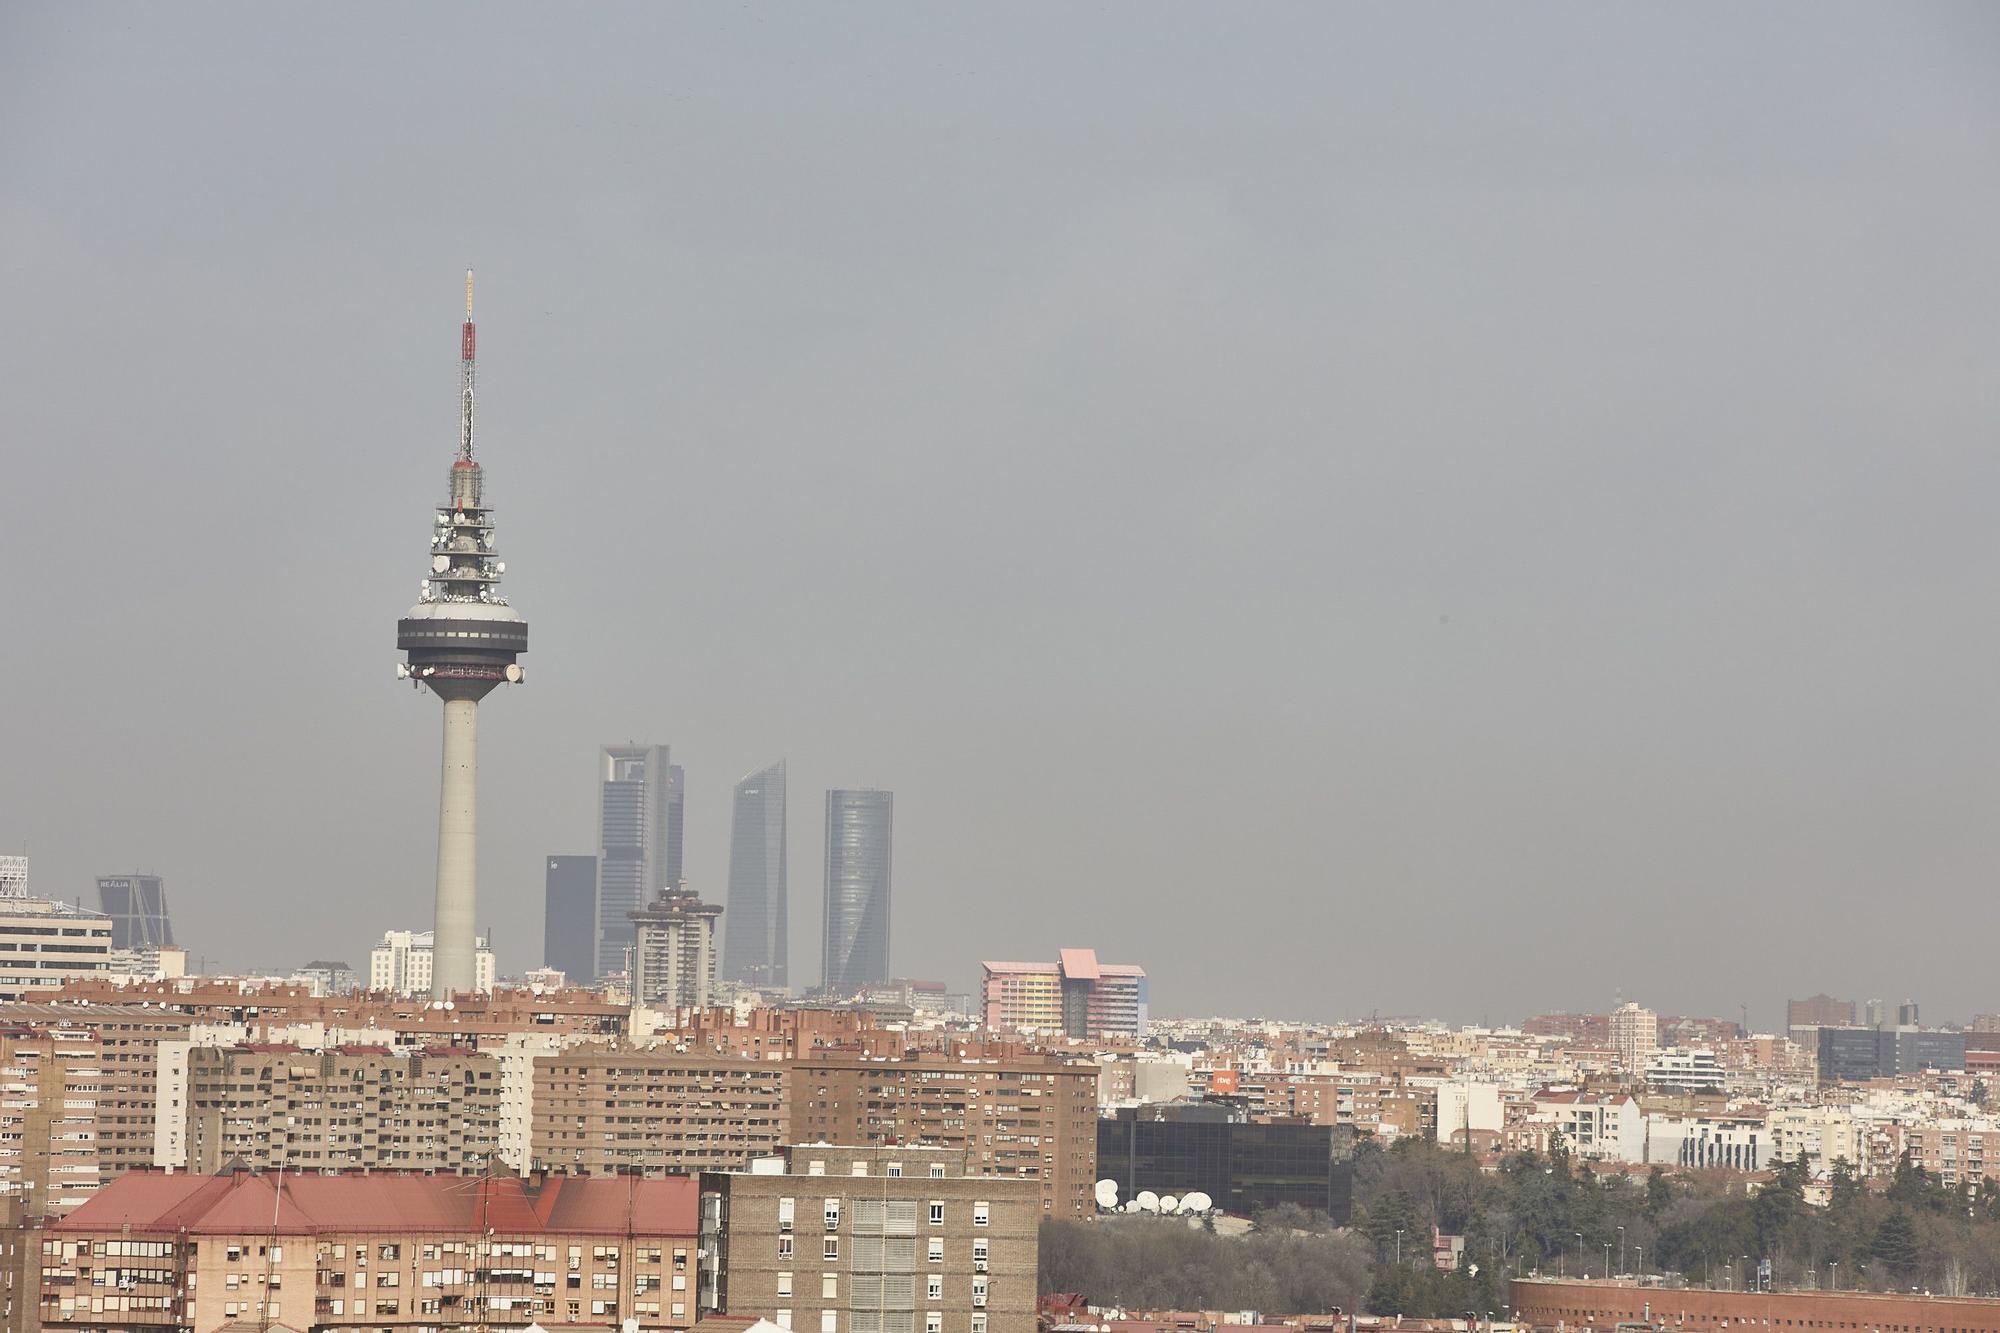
569,917
1245,1168
755,944
137,906
855,947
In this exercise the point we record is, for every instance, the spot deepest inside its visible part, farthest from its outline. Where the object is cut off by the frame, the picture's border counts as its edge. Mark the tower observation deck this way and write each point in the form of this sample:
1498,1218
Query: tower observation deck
461,639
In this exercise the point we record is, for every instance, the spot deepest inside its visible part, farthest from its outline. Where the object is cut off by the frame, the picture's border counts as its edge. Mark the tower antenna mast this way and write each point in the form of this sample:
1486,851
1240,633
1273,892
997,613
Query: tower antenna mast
467,341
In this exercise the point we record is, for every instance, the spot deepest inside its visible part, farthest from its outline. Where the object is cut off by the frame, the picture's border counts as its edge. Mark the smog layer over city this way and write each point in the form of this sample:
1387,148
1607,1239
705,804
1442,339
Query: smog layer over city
1418,577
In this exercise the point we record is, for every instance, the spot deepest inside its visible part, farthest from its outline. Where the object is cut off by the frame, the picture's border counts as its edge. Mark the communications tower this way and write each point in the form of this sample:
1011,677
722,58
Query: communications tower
461,639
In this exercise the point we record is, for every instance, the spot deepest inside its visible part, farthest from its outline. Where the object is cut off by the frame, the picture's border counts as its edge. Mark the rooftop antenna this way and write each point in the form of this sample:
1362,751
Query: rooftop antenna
270,1254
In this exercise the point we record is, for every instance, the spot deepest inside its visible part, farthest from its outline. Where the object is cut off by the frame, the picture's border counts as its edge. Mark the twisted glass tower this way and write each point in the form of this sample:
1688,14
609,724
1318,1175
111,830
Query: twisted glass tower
855,948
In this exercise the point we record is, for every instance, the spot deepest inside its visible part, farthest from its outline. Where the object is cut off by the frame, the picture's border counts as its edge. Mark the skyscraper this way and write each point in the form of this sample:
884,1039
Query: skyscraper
461,639
137,906
755,947
855,947
569,917
638,842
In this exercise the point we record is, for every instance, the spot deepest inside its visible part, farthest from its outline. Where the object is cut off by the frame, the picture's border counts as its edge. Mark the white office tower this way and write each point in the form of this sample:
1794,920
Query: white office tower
405,963
461,639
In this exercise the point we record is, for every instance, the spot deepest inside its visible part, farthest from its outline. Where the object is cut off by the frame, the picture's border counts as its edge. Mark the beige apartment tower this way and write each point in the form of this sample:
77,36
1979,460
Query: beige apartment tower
871,1240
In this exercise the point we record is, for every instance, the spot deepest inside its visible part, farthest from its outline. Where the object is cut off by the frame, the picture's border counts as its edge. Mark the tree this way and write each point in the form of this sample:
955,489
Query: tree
1843,1188
1659,1192
1895,1243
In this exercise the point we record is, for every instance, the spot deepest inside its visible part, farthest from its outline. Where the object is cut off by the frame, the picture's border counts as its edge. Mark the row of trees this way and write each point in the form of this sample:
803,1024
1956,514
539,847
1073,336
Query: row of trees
1542,1214
1537,1214
1291,1262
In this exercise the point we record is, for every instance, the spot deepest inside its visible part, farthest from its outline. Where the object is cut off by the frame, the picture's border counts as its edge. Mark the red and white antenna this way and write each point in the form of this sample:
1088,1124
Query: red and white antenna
467,339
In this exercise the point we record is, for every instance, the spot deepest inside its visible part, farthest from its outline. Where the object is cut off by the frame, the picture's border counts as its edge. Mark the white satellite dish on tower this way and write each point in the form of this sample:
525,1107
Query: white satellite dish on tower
440,563
1148,1201
1107,1194
1194,1201
1169,1204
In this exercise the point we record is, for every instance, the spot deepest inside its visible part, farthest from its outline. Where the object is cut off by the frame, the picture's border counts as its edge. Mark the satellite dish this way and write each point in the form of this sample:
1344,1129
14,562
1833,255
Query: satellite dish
1194,1201
499,566
1169,1204
1148,1201
1107,1194
440,563
513,673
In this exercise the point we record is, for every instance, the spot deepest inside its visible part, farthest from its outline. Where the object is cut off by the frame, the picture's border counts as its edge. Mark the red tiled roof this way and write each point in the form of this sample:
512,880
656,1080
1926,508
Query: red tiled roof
243,1204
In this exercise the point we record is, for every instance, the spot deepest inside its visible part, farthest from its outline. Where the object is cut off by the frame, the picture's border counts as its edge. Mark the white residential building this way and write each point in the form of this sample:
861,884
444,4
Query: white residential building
1741,1143
1604,1129
1685,1070
1822,1135
1635,1035
402,963
1468,1105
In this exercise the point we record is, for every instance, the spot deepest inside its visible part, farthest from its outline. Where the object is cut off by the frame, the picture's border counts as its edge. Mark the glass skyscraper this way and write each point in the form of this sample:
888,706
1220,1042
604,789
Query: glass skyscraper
638,842
754,941
137,906
855,948
569,917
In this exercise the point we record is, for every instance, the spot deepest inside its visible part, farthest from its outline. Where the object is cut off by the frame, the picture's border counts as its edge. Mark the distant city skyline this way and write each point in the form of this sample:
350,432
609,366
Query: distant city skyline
1450,494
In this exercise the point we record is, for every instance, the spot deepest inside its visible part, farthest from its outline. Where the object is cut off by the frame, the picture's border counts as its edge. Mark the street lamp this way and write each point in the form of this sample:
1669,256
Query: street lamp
1639,1260
1607,1258
1579,1252
1399,1247
1835,1266
1621,1251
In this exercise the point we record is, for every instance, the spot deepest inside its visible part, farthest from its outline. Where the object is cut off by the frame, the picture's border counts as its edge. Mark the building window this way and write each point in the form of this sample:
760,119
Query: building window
979,1214
895,1170
784,1247
937,1212
784,1284
827,1322
829,1286
934,1287
860,1168
937,1249
979,1291
833,1214
933,1322
979,1323
816,1167
786,1212
937,1170
832,1247
783,1319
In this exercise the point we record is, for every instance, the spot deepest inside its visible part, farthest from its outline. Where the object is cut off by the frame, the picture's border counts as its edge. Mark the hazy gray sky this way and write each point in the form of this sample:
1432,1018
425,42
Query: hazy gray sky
1451,509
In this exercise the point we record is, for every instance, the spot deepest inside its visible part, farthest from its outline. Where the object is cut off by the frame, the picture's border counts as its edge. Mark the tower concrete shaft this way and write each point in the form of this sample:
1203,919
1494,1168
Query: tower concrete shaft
458,850
462,640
